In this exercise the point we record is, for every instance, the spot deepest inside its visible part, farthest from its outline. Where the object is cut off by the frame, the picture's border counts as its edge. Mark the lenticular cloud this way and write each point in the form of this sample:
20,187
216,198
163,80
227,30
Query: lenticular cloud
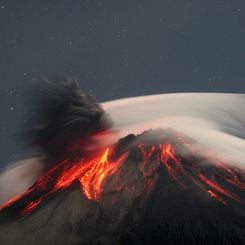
216,121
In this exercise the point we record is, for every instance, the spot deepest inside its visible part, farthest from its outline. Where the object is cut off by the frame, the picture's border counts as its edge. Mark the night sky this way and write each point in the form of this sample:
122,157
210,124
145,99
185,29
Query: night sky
117,49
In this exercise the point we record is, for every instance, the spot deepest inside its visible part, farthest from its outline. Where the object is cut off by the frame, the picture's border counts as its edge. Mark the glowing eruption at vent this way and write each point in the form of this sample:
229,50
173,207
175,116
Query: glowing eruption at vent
92,173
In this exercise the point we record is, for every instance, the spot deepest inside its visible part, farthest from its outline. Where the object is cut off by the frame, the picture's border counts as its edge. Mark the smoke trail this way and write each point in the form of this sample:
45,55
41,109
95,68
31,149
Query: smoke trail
216,121
19,176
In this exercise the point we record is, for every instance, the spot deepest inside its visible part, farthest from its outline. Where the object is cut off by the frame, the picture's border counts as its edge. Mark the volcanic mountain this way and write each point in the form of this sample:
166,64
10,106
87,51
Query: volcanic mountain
149,188
159,186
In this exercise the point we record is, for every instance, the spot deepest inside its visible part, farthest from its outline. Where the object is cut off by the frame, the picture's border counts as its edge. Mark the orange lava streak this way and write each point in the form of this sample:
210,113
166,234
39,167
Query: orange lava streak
92,180
69,175
147,156
216,196
230,176
91,174
218,188
171,162
31,206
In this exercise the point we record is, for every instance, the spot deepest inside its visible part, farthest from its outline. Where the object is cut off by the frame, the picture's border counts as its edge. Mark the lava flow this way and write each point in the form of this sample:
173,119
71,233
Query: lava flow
92,174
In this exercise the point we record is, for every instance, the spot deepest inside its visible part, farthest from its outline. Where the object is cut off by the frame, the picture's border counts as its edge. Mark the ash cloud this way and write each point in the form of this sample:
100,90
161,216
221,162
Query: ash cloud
63,118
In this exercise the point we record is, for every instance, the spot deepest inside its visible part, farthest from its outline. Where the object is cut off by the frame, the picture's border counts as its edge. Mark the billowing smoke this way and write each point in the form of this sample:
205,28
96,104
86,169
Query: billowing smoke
63,117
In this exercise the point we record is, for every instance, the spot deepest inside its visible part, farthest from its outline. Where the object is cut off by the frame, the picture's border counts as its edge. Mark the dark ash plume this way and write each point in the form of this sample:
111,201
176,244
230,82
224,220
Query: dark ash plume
63,118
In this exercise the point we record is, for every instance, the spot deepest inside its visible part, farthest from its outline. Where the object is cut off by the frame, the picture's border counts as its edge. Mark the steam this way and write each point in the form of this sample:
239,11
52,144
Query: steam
215,121
19,176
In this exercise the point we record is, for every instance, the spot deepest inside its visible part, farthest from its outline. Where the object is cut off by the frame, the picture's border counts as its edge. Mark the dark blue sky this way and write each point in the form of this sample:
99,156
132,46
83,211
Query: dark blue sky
118,49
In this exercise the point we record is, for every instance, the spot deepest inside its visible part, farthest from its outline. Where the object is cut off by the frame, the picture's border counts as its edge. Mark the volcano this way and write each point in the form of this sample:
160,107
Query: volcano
150,188
160,186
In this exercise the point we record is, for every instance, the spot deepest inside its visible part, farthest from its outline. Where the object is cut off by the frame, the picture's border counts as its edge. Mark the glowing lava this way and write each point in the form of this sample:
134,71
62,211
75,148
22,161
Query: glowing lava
92,173
92,180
